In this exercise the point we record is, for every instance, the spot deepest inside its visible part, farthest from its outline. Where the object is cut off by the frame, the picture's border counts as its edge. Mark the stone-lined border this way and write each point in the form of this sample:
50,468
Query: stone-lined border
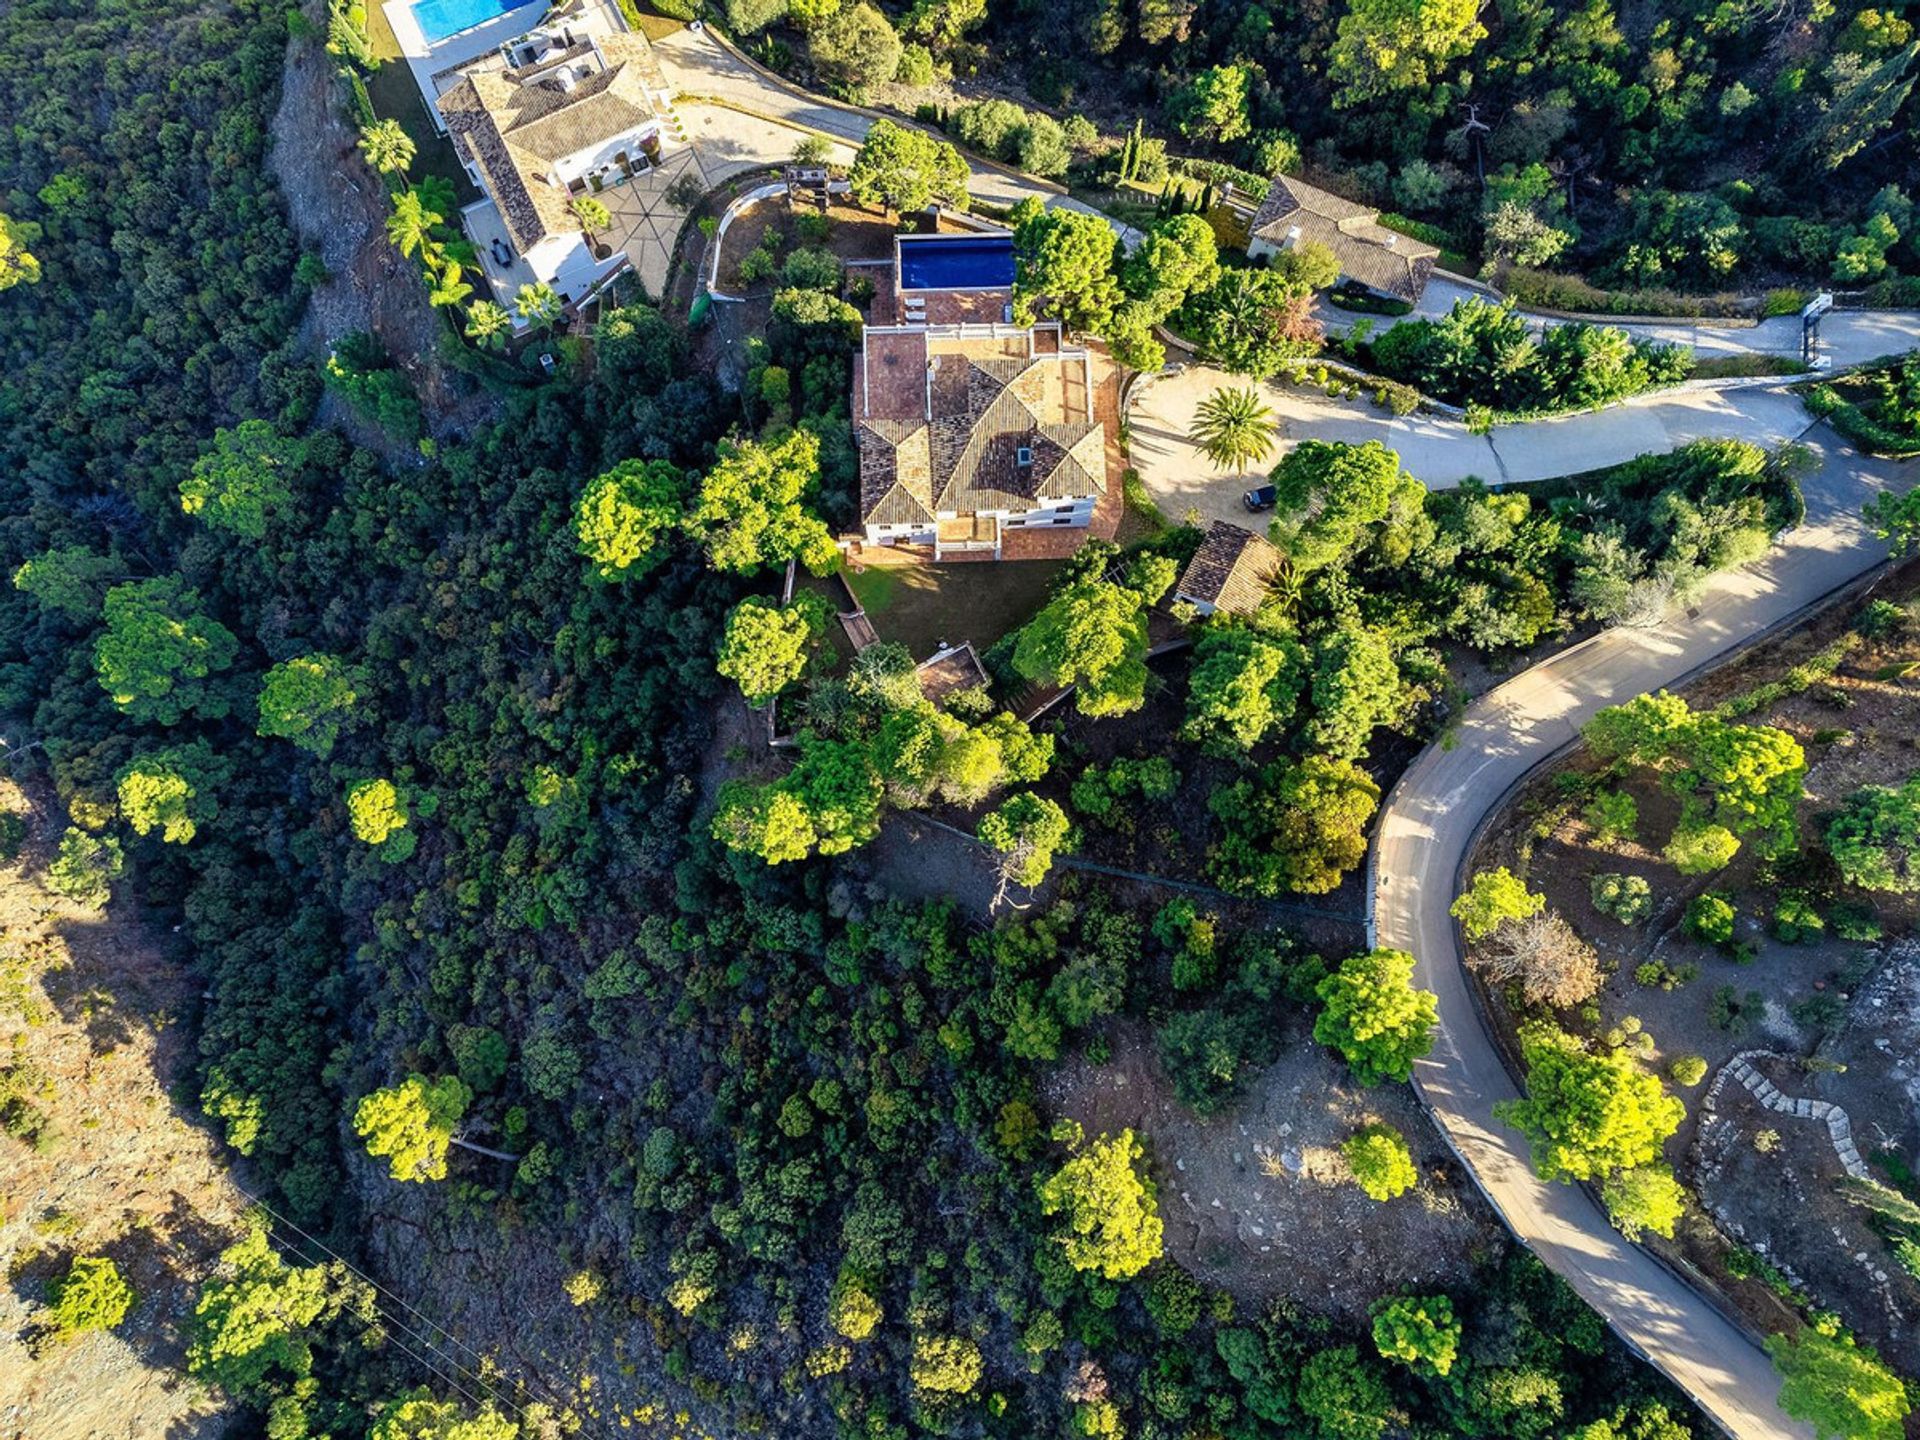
1839,1128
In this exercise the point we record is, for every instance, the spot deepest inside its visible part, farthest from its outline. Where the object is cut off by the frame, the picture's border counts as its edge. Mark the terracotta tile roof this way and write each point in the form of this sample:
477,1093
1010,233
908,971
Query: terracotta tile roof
1379,258
513,126
1231,570
968,457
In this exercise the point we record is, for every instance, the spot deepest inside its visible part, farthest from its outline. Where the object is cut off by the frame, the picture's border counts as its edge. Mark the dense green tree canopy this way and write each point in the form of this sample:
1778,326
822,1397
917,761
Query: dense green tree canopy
1843,1389
410,1125
1588,1113
902,169
308,699
752,512
1372,1014
624,515
159,653
766,645
244,481
1107,1216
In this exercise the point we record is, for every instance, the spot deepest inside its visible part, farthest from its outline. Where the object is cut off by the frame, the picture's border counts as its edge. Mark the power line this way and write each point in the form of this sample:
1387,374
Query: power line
413,1310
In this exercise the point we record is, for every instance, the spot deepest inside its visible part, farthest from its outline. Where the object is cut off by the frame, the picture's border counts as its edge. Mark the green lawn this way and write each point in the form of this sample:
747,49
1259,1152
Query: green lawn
396,97
922,606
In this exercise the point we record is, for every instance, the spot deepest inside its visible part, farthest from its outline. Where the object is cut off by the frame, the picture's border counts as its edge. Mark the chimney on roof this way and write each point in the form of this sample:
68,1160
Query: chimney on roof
1293,236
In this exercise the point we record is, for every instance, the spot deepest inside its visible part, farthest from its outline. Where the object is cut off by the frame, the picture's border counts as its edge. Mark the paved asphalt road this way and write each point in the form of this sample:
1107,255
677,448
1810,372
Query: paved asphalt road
1424,834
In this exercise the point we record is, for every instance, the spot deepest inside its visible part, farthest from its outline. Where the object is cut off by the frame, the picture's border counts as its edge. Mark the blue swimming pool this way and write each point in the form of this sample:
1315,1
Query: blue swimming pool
440,18
956,262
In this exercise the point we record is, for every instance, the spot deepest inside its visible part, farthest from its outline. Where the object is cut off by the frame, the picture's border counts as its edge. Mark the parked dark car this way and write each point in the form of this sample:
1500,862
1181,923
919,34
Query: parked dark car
1259,498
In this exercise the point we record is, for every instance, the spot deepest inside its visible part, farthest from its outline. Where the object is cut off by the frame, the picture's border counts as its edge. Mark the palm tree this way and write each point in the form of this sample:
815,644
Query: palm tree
488,325
447,288
592,214
411,225
387,147
537,303
1233,429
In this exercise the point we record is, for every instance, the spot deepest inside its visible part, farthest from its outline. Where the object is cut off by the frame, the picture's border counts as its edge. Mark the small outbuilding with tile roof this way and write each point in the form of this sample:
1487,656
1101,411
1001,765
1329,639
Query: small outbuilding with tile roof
1231,571
1381,260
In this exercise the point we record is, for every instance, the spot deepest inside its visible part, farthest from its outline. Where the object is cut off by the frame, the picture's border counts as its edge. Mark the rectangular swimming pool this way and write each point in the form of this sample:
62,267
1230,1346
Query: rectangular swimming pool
439,19
956,262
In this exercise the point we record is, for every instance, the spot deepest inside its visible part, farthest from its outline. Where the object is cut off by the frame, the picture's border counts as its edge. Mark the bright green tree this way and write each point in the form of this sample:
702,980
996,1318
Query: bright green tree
1875,839
171,790
852,1311
1381,1163
767,645
1383,46
1495,897
1026,831
752,512
945,1364
902,169
623,516
378,814
70,579
256,1323
1588,1114
1179,257
18,265
1329,495
488,325
855,48
1300,828
1244,686
1092,636
1839,1386
306,700
1253,321
85,867
537,304
1233,429
1420,1331
411,1124
1645,1197
1064,267
91,1295
420,1416
1356,689
158,653
1343,1396
1372,1014
1214,104
1109,1220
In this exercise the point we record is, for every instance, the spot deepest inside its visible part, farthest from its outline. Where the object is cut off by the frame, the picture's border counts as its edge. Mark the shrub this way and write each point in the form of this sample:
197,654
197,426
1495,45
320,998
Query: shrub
1495,897
1688,1070
1382,1164
1627,898
1854,922
1646,1197
1795,921
1699,847
90,1296
1613,815
1420,1331
1710,919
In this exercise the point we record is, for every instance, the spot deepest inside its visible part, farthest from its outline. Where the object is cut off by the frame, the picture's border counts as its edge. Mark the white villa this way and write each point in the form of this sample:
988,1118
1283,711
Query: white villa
537,117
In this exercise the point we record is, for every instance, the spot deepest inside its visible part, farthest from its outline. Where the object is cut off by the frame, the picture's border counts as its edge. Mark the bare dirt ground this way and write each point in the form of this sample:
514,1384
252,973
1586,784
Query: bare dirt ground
1257,1200
94,1002
339,210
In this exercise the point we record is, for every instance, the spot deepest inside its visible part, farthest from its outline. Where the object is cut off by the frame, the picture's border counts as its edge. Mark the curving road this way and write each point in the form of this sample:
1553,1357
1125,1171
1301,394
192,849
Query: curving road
1423,841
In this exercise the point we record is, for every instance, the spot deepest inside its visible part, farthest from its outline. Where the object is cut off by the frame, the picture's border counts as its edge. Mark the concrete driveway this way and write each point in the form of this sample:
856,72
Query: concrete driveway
1424,836
1440,452
759,114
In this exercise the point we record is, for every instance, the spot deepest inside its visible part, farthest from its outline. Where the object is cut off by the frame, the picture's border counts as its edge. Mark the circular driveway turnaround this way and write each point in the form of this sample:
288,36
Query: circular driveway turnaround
1422,843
